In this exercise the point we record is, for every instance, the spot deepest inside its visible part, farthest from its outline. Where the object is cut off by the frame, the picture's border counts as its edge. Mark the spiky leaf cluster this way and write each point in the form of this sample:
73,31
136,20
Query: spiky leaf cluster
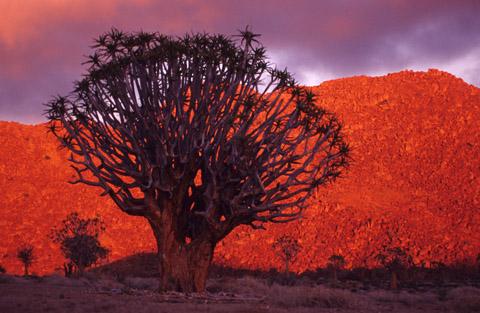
203,121
395,259
287,248
337,261
26,254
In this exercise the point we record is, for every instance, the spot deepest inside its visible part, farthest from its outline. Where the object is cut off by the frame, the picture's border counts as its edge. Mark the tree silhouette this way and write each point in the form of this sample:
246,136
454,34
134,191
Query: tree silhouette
26,255
338,262
287,249
395,260
78,239
198,134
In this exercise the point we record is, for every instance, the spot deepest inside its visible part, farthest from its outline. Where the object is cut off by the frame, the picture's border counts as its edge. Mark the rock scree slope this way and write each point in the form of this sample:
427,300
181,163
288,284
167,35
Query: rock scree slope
414,183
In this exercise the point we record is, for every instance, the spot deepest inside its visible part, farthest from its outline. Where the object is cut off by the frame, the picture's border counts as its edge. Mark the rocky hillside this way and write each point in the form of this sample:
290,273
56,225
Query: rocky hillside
415,184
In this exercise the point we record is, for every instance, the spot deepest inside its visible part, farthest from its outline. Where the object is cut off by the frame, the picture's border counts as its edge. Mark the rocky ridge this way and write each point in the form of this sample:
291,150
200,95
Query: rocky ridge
415,184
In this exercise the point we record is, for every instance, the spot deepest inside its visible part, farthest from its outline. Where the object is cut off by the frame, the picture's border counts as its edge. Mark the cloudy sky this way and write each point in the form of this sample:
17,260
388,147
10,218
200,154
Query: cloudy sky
44,42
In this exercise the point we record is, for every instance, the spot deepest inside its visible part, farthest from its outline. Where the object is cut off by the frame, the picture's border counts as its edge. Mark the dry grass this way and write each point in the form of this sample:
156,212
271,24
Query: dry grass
402,296
317,296
464,299
141,283
11,279
288,296
60,280
101,293
246,286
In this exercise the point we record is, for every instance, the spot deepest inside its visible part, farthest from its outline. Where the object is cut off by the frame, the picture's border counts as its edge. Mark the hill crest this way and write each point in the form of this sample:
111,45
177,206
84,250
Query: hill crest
415,183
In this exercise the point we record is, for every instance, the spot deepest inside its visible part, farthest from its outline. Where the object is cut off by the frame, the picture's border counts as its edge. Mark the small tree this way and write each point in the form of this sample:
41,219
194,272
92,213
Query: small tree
395,260
287,249
199,135
26,255
337,262
78,240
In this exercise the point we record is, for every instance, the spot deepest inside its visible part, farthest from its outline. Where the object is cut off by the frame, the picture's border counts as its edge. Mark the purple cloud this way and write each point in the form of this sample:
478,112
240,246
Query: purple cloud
43,43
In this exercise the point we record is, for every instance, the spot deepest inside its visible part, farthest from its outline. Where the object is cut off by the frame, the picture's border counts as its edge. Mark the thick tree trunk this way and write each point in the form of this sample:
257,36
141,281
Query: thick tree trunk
25,273
183,267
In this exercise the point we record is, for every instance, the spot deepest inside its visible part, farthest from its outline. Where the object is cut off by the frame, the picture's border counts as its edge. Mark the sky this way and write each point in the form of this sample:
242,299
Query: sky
43,43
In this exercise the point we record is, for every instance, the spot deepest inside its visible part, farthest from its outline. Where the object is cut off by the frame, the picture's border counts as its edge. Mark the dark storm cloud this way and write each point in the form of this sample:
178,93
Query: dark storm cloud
43,43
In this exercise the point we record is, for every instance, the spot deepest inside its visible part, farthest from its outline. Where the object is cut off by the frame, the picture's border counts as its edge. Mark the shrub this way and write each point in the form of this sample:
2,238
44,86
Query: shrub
79,242
465,299
318,296
141,283
26,255
247,285
11,279
59,280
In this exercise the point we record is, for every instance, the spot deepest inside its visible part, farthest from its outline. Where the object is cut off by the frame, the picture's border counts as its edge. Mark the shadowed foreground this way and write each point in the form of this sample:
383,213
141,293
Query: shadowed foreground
56,293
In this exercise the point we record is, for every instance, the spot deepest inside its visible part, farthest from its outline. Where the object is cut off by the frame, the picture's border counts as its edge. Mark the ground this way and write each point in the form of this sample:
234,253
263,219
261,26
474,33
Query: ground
55,293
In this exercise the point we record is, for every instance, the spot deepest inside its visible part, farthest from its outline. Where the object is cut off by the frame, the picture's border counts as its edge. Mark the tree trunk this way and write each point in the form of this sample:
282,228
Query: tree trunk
287,269
394,280
26,270
81,269
68,268
183,267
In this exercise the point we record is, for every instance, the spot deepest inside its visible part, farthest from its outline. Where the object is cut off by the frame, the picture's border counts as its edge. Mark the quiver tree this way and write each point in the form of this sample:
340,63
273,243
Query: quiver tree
395,260
78,239
26,255
287,248
198,135
337,262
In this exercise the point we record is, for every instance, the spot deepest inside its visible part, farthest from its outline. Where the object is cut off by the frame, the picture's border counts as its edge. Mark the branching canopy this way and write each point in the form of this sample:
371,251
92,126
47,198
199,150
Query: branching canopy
78,239
202,121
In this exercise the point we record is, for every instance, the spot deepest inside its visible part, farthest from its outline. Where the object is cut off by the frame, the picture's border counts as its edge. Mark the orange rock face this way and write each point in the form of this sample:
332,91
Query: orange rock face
414,183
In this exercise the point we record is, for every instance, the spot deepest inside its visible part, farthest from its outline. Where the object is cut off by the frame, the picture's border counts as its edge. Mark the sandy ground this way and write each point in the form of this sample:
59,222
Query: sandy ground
59,294
41,297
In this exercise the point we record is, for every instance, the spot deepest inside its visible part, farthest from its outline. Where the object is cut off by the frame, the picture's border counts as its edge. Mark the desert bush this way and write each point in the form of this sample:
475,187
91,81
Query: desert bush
141,283
26,255
78,239
317,296
109,283
464,299
243,286
287,296
60,280
91,276
11,279
404,297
